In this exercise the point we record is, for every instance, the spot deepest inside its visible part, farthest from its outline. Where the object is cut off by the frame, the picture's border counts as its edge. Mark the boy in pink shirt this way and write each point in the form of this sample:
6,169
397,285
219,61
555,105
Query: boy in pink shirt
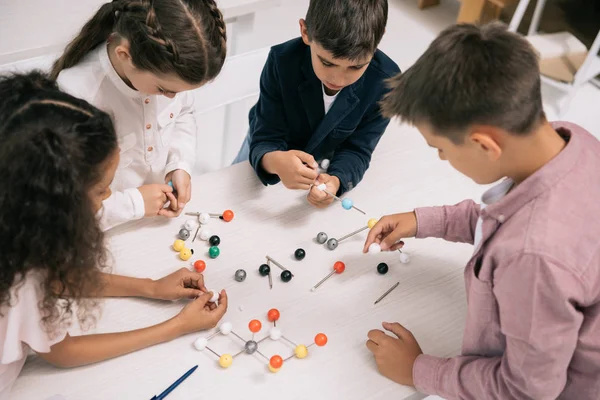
533,282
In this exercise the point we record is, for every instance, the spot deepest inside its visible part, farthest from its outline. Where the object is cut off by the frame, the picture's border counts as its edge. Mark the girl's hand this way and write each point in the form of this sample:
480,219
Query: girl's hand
390,229
179,285
155,197
395,357
319,198
200,315
182,186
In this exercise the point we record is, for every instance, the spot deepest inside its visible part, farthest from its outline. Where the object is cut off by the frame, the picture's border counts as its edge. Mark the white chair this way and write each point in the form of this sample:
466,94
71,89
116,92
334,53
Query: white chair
559,45
232,94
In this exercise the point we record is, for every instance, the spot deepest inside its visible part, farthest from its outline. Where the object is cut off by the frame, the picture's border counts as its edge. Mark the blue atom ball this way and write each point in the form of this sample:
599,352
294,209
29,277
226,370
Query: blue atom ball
347,204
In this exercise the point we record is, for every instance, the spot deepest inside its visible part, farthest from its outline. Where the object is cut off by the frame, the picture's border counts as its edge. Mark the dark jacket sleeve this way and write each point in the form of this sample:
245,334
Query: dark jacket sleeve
269,126
352,158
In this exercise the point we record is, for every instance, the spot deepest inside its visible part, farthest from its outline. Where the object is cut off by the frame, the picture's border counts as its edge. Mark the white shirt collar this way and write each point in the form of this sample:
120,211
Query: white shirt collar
113,76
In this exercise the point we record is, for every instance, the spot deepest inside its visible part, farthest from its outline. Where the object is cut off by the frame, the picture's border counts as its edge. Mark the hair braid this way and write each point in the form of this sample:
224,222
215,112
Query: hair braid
219,22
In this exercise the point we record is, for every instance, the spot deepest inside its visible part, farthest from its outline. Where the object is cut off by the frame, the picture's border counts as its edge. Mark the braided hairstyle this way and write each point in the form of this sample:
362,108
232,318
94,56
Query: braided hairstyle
47,220
184,37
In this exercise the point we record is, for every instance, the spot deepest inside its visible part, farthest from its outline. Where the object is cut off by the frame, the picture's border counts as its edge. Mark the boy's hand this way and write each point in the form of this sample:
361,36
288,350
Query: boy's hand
395,357
182,184
296,169
155,196
319,198
390,229
178,285
199,314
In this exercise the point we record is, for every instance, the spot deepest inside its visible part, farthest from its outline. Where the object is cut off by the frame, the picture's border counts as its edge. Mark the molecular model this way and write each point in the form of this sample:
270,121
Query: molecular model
374,248
265,270
275,362
202,219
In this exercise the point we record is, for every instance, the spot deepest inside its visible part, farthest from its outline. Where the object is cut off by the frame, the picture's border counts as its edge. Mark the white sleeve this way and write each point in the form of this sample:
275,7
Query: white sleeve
182,154
121,207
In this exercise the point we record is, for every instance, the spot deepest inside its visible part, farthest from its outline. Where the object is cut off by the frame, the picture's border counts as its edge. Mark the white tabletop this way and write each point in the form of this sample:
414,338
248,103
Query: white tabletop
430,299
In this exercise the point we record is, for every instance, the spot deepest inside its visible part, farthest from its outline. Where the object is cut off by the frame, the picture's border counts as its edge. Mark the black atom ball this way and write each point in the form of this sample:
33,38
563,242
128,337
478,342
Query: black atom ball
382,268
286,276
214,240
264,270
300,254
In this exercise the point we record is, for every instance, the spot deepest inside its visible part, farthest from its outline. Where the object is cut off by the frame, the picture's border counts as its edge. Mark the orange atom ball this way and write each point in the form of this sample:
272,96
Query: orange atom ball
339,267
254,326
276,362
227,215
321,339
200,266
273,314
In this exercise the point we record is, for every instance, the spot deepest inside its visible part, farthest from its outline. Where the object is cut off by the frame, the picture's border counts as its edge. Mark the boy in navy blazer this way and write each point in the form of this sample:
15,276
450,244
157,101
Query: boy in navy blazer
319,99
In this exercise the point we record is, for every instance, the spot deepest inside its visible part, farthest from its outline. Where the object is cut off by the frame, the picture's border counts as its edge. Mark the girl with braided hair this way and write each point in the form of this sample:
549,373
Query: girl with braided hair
137,60
58,157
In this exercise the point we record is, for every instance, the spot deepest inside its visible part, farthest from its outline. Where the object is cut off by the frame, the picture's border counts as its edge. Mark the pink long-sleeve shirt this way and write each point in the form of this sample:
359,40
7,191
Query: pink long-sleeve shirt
533,285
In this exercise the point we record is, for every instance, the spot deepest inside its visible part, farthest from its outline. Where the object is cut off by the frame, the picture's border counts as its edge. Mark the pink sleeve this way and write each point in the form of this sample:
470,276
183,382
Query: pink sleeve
21,325
453,223
540,322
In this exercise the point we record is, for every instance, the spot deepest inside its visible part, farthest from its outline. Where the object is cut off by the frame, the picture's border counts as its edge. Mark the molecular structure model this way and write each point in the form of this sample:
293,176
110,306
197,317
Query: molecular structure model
265,269
348,204
200,223
251,346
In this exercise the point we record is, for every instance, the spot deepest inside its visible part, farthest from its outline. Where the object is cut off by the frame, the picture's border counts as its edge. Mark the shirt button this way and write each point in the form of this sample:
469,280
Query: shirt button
147,101
148,126
150,148
501,218
171,115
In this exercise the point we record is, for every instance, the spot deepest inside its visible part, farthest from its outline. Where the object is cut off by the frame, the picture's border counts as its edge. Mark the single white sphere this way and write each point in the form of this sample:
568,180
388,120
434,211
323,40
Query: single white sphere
214,297
275,333
374,248
325,164
201,343
404,258
226,328
205,234
204,218
241,308
322,186
190,224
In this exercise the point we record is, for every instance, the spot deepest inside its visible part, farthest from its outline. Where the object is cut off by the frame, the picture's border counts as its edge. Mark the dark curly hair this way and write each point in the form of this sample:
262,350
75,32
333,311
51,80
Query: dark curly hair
53,150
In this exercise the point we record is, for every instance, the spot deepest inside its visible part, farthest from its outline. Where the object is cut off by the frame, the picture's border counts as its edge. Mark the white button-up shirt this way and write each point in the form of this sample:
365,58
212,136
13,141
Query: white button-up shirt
156,134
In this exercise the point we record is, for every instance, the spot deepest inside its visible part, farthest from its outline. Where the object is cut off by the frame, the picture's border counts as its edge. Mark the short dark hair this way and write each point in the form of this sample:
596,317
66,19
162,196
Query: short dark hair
349,29
54,148
470,75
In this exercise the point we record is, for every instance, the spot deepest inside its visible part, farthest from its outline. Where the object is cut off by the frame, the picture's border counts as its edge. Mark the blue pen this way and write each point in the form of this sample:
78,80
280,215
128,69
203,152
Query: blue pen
174,385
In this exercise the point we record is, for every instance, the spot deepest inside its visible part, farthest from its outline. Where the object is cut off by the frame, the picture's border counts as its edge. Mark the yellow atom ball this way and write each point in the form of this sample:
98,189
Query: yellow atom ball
371,223
225,360
301,351
178,245
273,370
185,254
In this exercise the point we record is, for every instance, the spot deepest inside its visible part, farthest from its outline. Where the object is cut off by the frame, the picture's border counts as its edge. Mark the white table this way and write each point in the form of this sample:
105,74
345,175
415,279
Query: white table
430,299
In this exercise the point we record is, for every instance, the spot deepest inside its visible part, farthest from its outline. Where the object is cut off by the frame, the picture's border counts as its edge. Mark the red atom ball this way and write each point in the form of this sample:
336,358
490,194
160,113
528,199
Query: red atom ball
339,267
254,326
200,266
273,314
227,215
321,339
276,362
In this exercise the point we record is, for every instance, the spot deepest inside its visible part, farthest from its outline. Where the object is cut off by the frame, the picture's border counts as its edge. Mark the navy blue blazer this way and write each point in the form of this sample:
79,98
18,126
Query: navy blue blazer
290,114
